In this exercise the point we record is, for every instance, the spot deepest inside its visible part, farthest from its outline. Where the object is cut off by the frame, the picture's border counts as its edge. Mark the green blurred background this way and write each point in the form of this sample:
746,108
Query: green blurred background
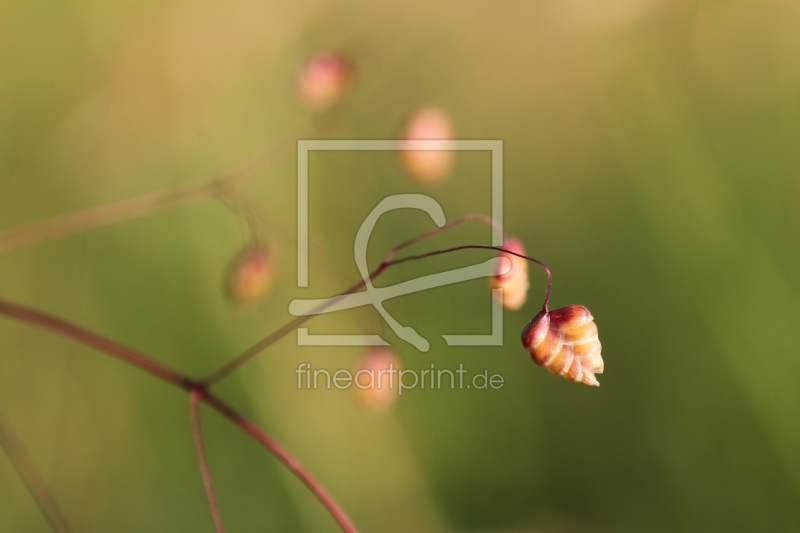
652,160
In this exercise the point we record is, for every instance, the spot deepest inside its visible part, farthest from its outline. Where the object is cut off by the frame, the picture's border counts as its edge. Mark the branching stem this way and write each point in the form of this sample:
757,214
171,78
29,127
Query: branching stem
149,365
286,458
199,390
264,343
145,204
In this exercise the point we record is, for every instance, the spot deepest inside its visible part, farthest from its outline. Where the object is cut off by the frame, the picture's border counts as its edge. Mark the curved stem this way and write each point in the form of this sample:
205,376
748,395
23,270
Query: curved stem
274,337
480,247
286,458
108,346
145,204
277,335
475,216
195,396
257,221
31,477
84,336
199,388
264,343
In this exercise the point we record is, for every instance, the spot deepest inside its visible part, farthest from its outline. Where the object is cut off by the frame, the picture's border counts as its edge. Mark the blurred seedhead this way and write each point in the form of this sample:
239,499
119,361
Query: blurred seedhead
251,274
428,166
375,378
324,79
514,282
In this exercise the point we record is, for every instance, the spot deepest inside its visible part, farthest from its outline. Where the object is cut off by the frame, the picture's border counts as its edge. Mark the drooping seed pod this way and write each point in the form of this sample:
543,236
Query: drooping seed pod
323,80
515,281
565,342
375,379
251,274
428,166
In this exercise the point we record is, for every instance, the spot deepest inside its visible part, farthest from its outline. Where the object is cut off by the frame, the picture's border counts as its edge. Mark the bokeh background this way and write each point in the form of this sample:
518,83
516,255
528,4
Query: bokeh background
652,160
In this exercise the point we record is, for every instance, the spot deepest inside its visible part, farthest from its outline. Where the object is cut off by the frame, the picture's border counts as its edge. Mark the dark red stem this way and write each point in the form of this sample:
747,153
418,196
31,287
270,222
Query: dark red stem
56,325
286,458
264,343
261,345
199,389
151,366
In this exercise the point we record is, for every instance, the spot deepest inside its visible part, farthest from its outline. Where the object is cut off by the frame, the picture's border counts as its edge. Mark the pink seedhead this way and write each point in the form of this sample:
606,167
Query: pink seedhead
429,123
514,282
375,379
251,274
323,80
565,342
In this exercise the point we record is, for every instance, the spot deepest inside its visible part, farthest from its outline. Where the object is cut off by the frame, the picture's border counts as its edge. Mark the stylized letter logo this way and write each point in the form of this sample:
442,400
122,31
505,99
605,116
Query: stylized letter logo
376,296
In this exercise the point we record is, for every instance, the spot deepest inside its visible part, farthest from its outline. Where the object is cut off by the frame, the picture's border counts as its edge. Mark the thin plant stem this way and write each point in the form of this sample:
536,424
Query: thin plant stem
430,233
200,388
274,337
286,458
148,203
545,307
31,477
84,336
278,334
195,396
120,351
256,221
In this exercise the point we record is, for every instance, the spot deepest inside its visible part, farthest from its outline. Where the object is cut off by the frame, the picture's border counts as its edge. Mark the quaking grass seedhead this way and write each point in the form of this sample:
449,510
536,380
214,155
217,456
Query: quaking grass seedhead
564,341
514,282
324,79
375,383
251,274
428,166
